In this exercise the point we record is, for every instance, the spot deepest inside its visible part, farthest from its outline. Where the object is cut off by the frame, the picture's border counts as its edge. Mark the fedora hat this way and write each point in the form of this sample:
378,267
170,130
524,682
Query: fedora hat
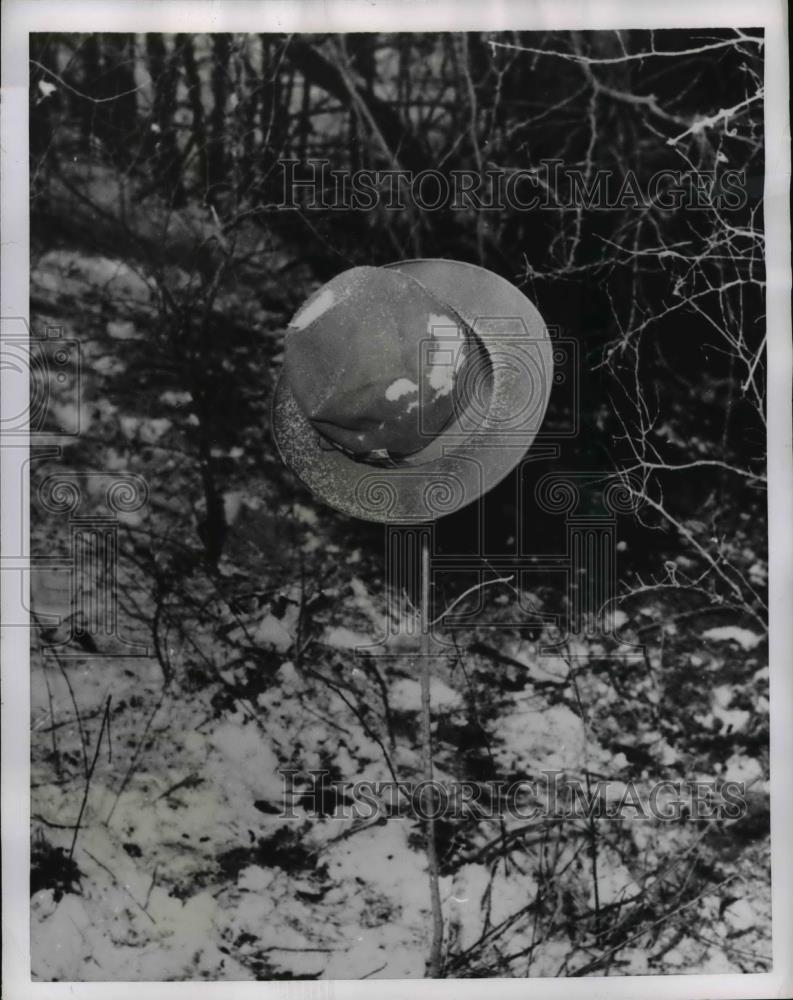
410,390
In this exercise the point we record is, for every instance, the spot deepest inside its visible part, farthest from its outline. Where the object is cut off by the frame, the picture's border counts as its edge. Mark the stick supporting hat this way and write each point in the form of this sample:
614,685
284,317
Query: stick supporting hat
409,391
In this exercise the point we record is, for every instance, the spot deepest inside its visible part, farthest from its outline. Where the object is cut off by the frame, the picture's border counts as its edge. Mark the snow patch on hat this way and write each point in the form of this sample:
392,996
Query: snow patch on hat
444,364
313,309
441,377
401,387
443,367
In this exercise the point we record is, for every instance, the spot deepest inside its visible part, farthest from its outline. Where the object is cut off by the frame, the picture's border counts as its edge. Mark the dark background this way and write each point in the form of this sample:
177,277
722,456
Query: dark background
201,124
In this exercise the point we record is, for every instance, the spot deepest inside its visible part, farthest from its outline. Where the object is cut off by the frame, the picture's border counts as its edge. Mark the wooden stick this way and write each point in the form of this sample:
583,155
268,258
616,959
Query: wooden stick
433,969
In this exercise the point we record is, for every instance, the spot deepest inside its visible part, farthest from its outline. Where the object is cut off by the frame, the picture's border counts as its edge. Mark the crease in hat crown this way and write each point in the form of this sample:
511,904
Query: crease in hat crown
373,359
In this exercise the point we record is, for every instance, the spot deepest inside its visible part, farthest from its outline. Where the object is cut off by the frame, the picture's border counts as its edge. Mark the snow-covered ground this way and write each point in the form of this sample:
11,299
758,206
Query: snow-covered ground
182,867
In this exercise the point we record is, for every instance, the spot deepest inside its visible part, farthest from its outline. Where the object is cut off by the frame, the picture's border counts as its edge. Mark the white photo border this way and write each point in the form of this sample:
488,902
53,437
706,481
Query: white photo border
19,17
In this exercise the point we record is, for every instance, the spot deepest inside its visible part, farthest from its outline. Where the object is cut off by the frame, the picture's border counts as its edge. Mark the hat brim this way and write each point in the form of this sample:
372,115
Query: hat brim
477,451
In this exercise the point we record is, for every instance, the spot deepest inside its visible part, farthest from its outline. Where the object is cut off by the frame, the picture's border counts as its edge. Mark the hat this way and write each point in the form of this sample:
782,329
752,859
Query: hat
410,390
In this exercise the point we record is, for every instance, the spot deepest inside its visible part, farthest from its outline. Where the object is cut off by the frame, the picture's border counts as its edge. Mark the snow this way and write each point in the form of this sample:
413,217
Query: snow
716,964
341,637
401,387
733,720
465,892
618,617
614,881
441,377
380,855
746,640
123,330
69,272
364,601
372,915
232,505
405,695
170,398
510,894
146,429
242,755
305,515
387,959
68,414
288,677
108,366
313,309
740,915
742,768
272,632
444,362
538,739
116,938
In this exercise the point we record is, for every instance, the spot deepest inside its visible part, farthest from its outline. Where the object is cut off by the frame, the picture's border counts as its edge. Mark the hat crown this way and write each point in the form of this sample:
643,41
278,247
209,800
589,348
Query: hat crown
372,358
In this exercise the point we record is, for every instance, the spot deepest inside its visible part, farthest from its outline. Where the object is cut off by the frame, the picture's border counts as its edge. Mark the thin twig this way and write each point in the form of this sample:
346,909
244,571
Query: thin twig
631,56
462,597
87,97
121,885
89,775
435,955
